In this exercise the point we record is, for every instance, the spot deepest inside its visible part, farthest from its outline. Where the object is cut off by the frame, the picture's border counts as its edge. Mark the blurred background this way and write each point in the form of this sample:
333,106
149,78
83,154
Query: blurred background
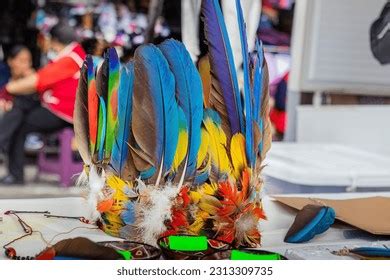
329,82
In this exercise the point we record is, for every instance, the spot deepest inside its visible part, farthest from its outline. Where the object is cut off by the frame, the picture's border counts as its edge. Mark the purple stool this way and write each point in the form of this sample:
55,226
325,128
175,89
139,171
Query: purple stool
64,165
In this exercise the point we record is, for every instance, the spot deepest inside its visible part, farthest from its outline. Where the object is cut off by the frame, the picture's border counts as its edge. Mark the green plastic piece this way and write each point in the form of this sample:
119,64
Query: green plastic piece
126,255
188,243
239,255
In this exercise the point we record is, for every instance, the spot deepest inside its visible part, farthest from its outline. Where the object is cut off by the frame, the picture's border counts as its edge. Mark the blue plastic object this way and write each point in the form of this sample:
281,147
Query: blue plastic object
372,252
319,224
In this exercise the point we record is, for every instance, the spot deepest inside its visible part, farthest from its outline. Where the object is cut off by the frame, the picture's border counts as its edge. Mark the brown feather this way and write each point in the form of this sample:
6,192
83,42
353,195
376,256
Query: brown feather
217,102
266,136
265,109
143,119
141,160
85,249
204,71
81,128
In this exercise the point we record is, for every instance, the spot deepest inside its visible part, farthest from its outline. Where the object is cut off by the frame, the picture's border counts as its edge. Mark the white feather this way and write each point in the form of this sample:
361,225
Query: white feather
245,223
96,184
154,210
82,179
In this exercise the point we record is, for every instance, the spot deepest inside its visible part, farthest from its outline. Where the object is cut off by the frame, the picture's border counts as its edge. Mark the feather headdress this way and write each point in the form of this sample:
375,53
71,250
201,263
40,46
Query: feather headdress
166,158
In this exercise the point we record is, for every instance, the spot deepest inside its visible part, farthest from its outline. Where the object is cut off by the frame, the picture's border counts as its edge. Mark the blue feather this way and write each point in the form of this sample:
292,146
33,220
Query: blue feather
212,114
155,85
258,89
146,174
222,65
120,151
247,90
128,214
372,252
257,80
188,93
103,112
200,178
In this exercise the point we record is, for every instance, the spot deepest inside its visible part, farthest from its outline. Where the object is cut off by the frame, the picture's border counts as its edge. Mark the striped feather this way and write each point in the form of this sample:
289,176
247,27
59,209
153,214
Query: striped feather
112,99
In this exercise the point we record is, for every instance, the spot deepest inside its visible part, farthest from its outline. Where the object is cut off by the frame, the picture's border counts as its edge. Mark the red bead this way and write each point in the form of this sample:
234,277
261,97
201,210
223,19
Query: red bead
10,252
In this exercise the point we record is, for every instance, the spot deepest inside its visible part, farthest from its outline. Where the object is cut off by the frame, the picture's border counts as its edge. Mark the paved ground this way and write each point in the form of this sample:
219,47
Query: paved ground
44,187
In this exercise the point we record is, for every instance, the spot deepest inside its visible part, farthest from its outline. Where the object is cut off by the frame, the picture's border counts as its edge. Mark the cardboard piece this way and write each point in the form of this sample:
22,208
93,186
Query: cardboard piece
371,214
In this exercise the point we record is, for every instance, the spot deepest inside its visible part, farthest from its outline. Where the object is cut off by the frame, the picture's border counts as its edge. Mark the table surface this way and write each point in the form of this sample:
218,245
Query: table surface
273,230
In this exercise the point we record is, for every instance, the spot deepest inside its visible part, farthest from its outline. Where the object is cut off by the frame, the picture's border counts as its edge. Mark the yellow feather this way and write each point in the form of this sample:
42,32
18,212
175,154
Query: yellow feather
237,154
118,185
115,182
119,196
181,150
195,197
114,219
217,147
210,189
203,148
198,224
210,204
205,189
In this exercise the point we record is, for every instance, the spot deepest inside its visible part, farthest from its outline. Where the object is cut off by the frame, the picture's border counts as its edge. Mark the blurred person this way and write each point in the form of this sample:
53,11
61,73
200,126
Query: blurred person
55,84
278,114
19,64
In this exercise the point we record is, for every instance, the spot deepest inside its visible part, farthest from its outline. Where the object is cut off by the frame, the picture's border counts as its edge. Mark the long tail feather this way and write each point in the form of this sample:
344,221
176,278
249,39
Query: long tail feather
247,90
93,106
188,93
120,151
81,128
225,95
262,128
112,99
102,91
155,111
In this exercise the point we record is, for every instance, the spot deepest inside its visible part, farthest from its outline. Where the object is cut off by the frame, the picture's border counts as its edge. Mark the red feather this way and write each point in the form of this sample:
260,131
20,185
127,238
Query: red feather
93,105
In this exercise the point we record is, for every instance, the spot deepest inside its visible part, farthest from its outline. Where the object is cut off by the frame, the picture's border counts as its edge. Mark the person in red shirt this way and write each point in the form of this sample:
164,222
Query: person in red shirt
56,86
278,112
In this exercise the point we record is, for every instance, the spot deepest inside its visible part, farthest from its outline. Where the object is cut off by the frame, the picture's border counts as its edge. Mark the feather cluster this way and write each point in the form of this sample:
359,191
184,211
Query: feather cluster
174,150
